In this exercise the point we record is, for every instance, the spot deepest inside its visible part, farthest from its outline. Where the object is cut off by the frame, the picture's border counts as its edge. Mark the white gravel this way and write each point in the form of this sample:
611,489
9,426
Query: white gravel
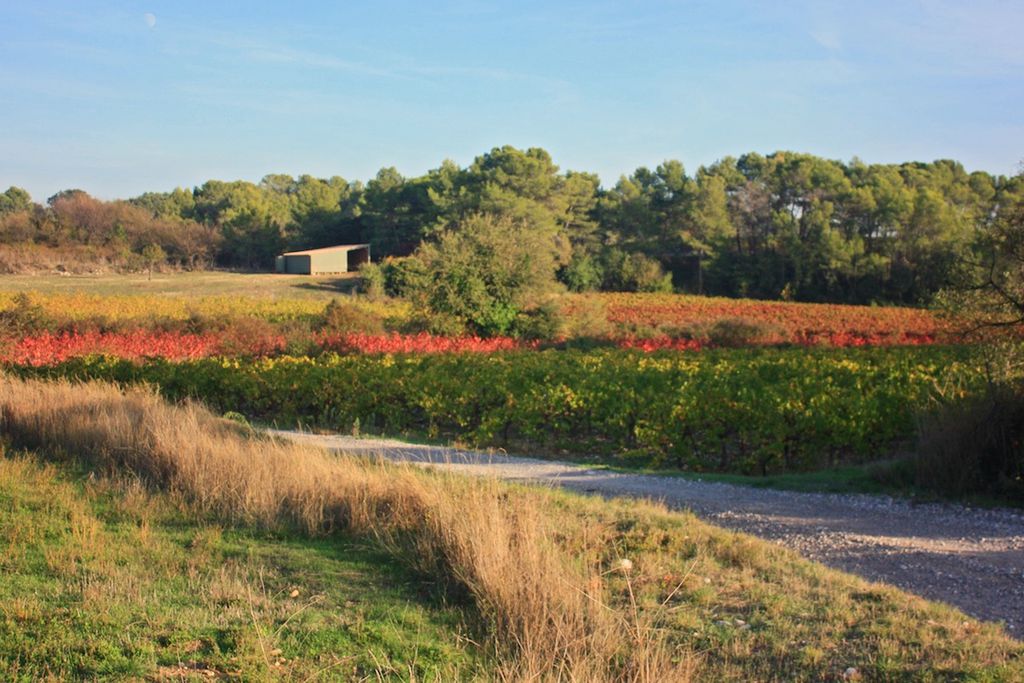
967,557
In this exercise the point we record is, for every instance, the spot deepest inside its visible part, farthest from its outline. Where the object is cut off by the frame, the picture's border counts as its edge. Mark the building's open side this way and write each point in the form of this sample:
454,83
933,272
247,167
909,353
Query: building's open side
343,258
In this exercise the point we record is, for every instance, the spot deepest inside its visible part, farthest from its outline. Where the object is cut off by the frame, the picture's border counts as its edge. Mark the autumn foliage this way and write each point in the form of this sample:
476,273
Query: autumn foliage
666,320
65,326
47,348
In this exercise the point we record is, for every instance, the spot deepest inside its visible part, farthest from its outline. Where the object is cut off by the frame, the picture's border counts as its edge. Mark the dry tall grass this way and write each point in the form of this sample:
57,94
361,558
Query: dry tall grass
543,609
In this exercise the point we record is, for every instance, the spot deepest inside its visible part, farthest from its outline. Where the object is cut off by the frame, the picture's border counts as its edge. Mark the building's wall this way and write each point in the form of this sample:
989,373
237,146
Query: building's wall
297,265
325,262
329,262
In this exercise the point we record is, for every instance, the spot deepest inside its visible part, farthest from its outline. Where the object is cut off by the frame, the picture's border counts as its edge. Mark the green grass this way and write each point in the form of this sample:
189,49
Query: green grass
105,580
197,284
108,581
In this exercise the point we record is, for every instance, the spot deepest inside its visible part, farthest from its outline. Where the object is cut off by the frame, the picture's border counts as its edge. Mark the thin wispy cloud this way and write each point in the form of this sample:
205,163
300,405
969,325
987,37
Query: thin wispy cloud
286,55
827,38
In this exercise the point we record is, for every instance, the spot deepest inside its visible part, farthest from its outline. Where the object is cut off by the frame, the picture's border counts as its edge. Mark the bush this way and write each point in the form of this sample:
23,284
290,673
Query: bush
485,270
205,323
975,445
374,281
442,324
734,333
545,322
24,317
246,337
896,473
728,333
587,318
347,318
404,277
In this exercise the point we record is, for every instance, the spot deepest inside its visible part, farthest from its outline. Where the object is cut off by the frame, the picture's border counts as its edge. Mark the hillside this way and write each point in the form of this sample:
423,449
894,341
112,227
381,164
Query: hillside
609,590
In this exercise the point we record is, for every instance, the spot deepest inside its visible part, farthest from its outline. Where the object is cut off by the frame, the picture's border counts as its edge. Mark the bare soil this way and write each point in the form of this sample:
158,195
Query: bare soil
968,557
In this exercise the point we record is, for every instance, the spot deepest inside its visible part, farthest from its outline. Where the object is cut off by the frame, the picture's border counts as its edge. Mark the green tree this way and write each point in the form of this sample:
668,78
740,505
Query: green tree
397,214
992,289
251,219
486,271
526,187
152,256
178,203
325,212
14,200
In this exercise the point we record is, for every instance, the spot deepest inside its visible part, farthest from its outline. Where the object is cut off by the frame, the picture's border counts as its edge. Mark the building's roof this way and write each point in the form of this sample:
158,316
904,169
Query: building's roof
340,247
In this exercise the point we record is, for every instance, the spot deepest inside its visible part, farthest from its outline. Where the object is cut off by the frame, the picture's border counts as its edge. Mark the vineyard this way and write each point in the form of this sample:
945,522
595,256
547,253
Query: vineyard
747,411
49,328
688,382
776,322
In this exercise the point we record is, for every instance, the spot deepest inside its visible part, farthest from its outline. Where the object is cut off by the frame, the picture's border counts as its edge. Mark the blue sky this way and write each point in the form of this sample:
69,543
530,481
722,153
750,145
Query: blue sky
117,98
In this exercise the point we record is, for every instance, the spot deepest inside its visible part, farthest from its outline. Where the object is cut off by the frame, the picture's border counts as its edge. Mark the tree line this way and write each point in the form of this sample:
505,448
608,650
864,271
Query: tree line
786,225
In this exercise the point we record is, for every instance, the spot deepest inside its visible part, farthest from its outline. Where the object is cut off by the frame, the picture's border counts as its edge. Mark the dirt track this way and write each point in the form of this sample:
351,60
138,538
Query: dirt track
970,558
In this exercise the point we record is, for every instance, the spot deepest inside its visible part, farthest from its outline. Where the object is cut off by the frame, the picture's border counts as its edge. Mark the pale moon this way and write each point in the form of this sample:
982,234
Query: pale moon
150,19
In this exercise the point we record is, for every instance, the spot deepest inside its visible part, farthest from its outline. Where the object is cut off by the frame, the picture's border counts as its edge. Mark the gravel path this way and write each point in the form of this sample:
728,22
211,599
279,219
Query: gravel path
970,558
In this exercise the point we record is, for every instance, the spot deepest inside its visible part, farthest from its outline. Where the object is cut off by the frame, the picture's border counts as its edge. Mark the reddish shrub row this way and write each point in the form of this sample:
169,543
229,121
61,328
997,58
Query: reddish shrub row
48,348
781,322
416,343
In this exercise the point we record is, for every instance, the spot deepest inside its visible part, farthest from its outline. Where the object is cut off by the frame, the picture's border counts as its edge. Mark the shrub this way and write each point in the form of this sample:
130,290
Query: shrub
374,281
348,318
896,473
541,323
975,445
734,333
24,317
485,270
441,324
586,318
251,337
403,277
199,322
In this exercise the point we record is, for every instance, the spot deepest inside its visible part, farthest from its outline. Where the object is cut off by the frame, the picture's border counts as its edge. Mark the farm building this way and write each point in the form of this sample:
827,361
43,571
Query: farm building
340,259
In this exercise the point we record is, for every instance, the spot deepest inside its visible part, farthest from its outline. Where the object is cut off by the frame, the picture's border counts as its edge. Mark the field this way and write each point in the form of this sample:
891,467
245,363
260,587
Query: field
164,541
693,383
641,380
745,411
250,286
46,319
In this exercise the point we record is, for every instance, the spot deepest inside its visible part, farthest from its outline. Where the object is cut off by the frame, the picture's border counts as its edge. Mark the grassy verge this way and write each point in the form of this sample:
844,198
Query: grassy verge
102,579
564,587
